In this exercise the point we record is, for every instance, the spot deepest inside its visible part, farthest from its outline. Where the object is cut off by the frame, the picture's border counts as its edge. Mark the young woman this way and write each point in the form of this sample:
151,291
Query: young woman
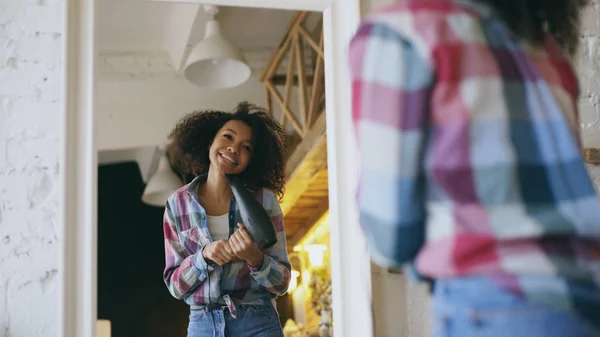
466,113
211,261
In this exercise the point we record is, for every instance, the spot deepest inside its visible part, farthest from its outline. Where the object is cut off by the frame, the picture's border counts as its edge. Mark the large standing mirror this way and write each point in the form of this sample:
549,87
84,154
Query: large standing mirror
134,68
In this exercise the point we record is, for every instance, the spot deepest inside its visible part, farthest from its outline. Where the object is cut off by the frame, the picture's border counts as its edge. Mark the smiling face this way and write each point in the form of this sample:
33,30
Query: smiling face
231,149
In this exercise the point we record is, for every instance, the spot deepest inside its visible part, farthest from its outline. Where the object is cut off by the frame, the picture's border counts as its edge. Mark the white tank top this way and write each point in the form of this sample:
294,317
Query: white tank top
218,226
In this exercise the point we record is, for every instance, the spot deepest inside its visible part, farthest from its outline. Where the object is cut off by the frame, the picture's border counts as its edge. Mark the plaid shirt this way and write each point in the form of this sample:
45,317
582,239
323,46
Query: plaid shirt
187,274
470,154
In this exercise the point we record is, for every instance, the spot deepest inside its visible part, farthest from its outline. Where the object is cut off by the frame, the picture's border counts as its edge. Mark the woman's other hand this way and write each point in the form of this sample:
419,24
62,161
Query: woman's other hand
244,248
219,252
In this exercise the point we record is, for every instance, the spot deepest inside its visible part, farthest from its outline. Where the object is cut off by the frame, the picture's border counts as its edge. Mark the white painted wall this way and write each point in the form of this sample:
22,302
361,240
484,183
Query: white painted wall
140,98
389,302
401,308
30,109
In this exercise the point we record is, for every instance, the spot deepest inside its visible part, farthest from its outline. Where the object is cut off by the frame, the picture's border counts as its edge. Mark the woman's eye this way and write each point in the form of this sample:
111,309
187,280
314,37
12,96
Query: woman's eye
228,136
248,148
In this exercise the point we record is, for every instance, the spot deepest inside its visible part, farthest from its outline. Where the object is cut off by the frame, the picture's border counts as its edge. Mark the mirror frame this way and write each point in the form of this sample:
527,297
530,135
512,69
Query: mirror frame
351,269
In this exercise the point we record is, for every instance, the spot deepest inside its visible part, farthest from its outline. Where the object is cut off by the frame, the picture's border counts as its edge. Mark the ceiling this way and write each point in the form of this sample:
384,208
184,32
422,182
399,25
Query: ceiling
117,31
142,26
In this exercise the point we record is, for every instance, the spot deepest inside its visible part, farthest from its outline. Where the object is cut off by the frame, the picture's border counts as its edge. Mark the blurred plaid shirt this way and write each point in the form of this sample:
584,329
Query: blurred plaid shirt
470,154
189,277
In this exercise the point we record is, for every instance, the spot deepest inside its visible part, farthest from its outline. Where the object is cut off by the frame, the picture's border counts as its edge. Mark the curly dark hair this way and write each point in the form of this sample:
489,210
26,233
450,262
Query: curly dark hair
532,20
191,138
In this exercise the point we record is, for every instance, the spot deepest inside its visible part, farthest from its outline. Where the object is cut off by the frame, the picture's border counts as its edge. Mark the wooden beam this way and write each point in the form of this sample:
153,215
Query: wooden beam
282,47
318,86
305,227
311,140
269,102
285,108
299,181
311,41
289,76
276,59
278,79
302,82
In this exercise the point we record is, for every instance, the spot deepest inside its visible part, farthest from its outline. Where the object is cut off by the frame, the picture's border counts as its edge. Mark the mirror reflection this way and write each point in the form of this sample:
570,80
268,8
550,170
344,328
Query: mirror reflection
170,70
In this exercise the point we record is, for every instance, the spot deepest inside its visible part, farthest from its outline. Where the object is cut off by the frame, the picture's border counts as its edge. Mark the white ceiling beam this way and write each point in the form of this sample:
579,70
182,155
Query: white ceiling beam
310,5
183,19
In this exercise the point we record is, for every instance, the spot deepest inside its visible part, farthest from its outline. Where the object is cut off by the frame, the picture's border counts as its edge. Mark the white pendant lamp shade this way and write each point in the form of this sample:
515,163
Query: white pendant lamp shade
215,62
161,185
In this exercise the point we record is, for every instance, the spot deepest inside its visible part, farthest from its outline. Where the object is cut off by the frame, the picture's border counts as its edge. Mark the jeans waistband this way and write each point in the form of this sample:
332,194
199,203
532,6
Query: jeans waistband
221,306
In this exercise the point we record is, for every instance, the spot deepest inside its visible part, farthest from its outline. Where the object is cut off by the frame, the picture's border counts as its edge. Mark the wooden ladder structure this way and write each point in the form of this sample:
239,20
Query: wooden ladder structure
298,46
297,93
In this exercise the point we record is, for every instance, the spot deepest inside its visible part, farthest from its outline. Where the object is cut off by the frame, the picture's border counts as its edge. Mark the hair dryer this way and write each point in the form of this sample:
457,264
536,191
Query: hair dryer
256,219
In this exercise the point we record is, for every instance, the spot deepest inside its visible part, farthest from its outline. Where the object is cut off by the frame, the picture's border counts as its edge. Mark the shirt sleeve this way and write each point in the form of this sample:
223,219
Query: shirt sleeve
274,274
391,87
183,273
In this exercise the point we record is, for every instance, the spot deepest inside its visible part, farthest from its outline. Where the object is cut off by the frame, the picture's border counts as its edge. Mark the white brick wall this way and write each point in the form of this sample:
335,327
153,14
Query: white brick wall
588,66
30,78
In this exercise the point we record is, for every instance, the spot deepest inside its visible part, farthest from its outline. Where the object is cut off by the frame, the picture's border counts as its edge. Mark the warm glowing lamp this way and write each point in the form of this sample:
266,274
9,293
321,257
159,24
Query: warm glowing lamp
294,281
316,253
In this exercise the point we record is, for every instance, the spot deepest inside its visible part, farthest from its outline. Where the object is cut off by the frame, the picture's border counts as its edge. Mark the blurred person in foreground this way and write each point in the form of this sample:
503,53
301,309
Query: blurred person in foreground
471,166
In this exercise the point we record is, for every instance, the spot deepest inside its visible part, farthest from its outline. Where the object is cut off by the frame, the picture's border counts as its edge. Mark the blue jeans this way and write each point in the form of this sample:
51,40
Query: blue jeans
251,321
474,306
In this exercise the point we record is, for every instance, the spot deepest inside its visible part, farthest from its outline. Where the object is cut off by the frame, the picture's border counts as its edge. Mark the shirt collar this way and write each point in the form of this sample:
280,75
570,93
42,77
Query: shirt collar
192,188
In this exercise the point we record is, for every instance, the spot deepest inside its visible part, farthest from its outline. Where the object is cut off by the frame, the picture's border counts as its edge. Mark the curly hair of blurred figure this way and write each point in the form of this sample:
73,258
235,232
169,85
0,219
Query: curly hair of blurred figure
532,20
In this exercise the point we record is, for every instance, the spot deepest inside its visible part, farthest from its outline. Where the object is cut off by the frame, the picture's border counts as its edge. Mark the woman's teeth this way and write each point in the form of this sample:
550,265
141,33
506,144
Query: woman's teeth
229,159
